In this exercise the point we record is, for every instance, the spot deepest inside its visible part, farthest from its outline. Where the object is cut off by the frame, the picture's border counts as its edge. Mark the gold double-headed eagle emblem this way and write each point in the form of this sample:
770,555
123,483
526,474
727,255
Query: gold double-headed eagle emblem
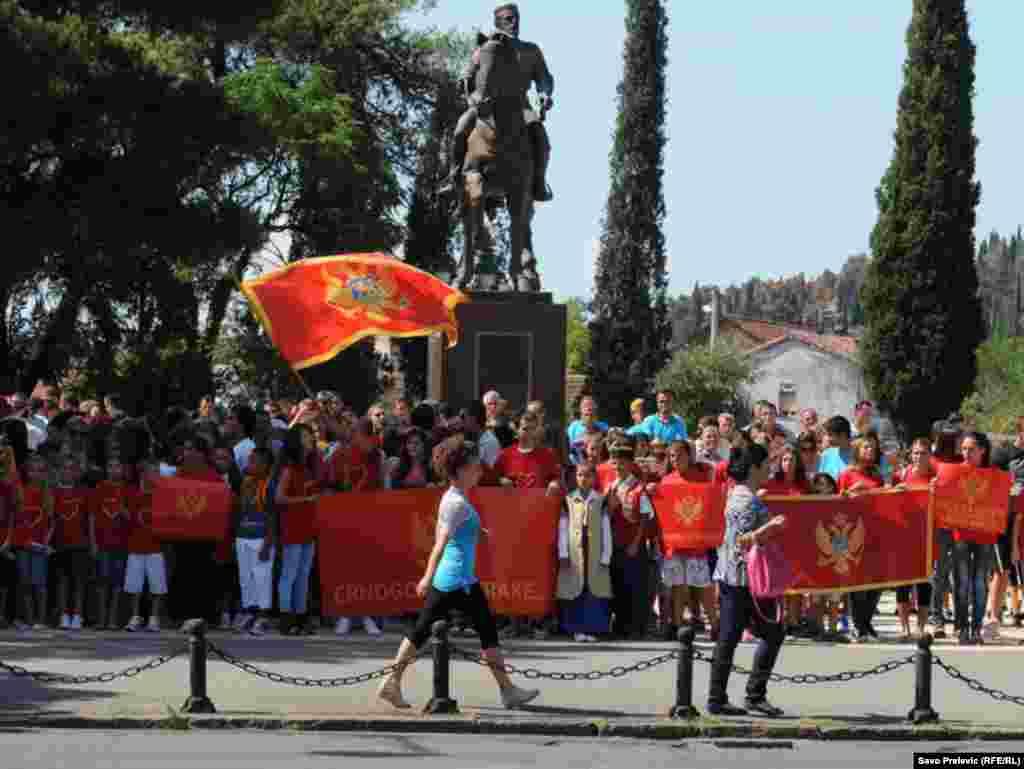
840,543
424,529
688,509
364,292
191,505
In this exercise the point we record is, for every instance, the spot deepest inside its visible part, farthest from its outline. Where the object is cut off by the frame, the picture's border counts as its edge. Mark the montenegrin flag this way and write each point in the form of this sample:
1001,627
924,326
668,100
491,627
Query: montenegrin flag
315,308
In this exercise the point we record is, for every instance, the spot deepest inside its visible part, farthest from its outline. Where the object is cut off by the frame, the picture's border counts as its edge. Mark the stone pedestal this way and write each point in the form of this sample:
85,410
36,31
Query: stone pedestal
510,342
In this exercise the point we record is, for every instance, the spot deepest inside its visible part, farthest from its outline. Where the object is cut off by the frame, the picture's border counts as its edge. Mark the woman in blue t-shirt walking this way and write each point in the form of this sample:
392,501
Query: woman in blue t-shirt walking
450,582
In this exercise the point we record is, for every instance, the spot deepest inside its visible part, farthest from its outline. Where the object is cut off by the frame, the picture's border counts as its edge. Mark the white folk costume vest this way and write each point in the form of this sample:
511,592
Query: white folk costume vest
585,513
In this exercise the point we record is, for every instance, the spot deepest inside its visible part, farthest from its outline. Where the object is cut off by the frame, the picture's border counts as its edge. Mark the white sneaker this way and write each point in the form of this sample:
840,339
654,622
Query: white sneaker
154,625
243,621
134,624
259,627
39,626
513,697
343,626
372,628
990,631
65,622
76,621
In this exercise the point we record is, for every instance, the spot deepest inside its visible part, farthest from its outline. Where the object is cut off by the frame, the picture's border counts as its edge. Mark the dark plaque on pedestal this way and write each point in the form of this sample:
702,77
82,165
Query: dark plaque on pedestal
510,342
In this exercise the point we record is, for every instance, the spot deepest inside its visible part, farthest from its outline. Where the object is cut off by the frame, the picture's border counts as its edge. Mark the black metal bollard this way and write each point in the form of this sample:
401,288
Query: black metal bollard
923,712
197,701
684,677
441,703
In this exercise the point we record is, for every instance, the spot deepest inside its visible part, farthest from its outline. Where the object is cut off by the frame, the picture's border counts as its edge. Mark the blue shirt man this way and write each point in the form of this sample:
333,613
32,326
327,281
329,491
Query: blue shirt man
577,431
664,426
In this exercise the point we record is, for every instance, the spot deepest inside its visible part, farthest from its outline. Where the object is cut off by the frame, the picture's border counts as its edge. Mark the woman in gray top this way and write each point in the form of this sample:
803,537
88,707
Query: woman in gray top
747,522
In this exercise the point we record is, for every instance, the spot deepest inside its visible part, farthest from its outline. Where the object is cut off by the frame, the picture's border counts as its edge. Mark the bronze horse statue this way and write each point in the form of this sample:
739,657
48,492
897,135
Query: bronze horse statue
499,166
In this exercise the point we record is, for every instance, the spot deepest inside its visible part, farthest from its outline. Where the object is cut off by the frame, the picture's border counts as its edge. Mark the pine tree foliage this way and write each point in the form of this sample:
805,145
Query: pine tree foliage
631,328
922,310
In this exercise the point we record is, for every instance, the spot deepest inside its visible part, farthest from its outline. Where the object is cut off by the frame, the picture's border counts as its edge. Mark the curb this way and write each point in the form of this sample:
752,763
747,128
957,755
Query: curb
653,730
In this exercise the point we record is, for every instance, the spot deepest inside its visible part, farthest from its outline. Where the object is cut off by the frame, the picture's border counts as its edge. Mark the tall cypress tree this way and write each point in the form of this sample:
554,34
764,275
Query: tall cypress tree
631,329
922,311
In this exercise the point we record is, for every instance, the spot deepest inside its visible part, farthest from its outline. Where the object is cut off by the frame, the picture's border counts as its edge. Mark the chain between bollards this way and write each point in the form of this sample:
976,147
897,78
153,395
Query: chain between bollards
684,677
441,703
923,712
198,701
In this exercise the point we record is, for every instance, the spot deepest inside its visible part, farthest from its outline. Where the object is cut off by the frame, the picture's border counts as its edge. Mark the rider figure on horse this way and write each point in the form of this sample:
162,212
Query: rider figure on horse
534,70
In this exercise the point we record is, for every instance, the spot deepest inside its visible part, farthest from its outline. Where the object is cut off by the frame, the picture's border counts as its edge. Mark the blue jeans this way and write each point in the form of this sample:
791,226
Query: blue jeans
293,586
940,575
973,563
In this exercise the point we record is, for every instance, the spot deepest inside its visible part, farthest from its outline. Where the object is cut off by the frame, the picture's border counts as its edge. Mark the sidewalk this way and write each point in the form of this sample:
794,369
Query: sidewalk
635,705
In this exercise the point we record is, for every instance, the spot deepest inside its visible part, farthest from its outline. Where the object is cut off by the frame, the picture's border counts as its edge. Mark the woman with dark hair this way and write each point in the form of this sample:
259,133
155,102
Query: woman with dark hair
973,554
747,523
413,470
298,489
791,476
450,582
863,474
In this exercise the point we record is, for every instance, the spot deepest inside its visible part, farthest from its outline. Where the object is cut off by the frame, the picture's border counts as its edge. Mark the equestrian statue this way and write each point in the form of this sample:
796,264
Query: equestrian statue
500,150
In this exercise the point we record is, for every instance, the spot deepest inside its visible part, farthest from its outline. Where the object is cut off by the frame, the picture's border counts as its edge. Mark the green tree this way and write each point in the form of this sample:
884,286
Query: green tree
998,397
705,381
923,316
630,328
577,336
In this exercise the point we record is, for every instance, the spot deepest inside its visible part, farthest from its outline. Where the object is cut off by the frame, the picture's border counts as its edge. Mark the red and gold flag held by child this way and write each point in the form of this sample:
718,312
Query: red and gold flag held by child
691,515
185,509
315,308
971,498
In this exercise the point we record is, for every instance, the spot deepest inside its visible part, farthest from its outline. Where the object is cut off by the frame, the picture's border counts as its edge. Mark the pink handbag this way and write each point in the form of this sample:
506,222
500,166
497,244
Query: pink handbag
769,575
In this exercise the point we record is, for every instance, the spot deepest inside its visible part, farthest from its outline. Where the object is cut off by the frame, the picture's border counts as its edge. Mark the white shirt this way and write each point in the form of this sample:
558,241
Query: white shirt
36,434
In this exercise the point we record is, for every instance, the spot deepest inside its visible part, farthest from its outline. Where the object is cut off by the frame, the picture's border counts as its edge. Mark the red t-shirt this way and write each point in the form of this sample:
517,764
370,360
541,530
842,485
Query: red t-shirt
605,477
364,469
533,469
112,518
31,522
71,509
298,520
852,475
140,537
913,480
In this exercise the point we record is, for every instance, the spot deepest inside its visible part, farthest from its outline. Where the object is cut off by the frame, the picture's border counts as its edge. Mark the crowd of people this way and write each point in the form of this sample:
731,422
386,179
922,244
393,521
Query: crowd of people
73,514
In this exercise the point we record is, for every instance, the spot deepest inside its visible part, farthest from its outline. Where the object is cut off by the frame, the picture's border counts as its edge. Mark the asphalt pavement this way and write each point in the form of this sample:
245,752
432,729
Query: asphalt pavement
32,749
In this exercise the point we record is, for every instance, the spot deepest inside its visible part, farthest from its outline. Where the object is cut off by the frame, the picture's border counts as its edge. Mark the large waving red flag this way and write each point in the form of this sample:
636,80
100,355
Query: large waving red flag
315,308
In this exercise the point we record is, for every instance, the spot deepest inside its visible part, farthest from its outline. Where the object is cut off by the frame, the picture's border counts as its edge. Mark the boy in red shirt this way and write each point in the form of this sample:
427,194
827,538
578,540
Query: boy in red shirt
110,527
145,562
73,560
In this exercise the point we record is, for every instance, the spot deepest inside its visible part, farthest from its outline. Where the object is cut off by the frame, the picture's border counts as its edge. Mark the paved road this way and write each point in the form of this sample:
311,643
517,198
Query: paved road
247,750
642,696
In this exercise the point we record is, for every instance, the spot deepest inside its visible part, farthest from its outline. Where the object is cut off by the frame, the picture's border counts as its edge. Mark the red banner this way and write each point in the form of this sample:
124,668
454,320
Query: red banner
190,510
971,498
375,548
314,308
691,515
874,540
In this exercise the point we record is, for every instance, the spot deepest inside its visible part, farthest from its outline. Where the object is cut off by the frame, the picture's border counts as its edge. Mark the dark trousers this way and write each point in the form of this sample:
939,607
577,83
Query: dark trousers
631,601
736,607
195,578
863,604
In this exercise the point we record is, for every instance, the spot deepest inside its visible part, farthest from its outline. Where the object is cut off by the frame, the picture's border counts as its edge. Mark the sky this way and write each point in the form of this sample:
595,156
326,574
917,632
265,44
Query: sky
780,124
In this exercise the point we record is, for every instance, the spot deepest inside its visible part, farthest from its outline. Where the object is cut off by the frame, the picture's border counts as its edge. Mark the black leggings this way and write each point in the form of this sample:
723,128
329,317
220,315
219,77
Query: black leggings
923,590
473,604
